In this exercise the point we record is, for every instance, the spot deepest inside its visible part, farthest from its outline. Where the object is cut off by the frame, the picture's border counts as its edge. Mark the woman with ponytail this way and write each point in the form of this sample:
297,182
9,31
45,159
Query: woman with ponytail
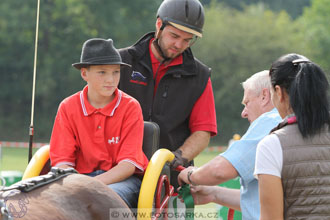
293,162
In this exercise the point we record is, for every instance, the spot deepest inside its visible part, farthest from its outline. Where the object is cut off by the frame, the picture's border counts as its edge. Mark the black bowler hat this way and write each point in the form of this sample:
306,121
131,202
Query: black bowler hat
97,51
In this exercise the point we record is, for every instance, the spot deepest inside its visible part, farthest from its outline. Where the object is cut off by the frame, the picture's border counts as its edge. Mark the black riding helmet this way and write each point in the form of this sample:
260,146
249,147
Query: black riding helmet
186,15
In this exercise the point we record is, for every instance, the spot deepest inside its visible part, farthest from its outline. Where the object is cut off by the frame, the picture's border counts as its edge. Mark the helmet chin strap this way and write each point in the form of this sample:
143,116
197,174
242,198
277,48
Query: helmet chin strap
159,50
156,44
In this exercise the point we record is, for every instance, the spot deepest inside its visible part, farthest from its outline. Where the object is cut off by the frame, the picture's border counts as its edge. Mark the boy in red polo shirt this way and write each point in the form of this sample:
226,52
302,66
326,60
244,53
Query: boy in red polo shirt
99,130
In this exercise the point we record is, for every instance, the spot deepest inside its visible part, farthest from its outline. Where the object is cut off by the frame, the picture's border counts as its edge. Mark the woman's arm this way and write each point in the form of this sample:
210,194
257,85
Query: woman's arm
271,197
268,168
216,194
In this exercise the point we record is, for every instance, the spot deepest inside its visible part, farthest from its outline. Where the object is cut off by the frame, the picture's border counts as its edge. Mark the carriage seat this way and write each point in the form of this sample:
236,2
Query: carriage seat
150,138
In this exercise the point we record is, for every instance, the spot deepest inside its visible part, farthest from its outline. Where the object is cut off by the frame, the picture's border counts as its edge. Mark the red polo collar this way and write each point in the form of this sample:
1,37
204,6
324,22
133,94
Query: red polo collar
108,110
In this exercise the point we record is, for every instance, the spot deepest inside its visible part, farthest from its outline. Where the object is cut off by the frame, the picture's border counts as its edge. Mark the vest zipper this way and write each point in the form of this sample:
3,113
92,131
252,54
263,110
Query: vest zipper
152,101
166,92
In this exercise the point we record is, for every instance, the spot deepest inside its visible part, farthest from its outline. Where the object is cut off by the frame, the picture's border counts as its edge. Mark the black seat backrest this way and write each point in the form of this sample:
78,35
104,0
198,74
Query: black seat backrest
150,138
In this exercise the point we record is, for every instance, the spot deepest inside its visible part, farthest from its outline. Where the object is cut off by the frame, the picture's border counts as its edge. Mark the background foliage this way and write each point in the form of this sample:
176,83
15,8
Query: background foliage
240,38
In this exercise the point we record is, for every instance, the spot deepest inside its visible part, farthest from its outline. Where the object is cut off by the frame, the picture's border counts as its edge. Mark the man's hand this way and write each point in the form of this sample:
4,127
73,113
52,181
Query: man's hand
178,160
183,176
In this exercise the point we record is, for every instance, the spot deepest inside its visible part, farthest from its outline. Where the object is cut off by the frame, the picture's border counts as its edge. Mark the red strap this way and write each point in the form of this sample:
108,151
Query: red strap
292,120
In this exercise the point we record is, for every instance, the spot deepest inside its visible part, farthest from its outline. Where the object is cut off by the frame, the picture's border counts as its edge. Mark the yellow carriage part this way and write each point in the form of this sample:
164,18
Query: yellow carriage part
37,163
149,182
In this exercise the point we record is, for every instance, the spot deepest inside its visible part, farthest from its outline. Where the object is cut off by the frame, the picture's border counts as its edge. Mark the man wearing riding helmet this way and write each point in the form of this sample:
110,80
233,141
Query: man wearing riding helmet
172,86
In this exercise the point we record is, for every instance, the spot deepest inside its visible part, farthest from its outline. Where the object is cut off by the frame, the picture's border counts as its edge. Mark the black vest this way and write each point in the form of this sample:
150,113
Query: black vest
176,94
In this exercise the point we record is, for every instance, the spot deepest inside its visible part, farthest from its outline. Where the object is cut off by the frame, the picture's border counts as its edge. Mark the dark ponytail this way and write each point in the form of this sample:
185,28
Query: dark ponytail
307,86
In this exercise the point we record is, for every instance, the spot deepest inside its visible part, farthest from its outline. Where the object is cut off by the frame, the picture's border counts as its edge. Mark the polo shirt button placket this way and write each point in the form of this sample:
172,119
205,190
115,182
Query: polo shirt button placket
99,127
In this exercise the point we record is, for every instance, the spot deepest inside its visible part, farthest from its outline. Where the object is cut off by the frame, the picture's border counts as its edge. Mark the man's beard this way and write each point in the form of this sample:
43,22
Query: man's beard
165,52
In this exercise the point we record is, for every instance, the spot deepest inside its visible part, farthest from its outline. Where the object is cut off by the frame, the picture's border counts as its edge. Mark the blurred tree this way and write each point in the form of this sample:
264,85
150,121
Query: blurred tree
16,50
293,7
315,21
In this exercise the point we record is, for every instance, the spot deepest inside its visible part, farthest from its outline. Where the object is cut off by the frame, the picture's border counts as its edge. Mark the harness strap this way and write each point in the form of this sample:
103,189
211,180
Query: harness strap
285,122
36,182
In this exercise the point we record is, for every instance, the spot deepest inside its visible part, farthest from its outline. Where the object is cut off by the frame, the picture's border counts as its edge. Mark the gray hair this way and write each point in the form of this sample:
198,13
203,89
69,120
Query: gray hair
257,82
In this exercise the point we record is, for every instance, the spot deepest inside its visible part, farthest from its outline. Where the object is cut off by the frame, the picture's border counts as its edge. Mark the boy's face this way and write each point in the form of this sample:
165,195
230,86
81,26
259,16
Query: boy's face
102,80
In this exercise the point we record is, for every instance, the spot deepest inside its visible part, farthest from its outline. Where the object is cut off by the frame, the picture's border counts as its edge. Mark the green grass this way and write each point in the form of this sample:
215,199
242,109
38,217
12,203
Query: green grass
14,158
205,157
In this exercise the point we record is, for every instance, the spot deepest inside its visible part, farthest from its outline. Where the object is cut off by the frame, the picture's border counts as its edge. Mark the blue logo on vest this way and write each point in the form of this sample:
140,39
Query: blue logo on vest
138,78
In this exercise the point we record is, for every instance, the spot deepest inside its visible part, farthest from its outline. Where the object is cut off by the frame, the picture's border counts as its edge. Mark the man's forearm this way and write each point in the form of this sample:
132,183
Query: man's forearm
195,144
216,171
